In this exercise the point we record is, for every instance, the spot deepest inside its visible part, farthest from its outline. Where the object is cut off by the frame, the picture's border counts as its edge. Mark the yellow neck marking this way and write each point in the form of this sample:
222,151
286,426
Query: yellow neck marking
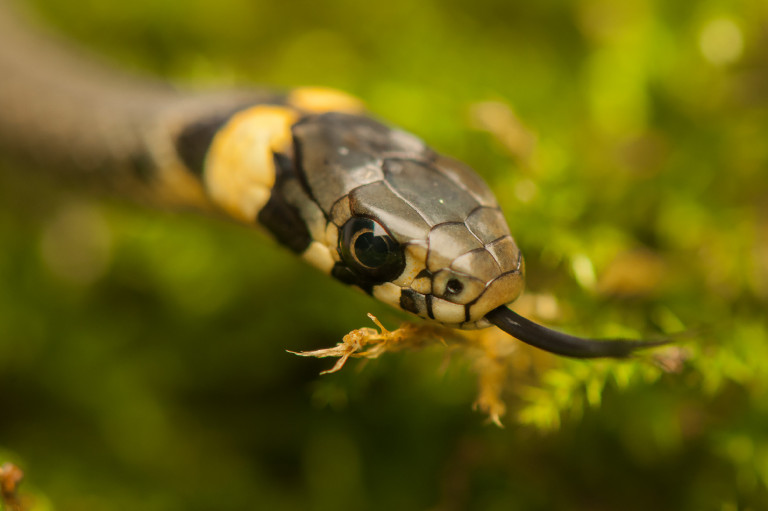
239,167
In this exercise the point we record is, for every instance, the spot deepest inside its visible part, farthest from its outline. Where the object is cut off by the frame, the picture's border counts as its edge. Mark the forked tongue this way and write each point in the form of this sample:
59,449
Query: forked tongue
564,344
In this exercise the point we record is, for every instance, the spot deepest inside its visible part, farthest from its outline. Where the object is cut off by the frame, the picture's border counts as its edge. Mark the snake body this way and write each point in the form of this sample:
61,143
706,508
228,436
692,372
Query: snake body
368,204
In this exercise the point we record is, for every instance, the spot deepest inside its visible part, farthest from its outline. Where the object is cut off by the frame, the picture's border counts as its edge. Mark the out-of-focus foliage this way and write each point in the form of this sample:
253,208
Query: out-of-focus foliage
142,361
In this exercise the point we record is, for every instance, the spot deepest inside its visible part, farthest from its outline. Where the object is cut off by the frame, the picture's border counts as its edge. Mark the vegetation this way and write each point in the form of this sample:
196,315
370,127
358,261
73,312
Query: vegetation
142,352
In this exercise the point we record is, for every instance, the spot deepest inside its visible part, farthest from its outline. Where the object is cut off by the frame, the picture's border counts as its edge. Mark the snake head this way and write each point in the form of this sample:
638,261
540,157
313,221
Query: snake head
377,209
415,229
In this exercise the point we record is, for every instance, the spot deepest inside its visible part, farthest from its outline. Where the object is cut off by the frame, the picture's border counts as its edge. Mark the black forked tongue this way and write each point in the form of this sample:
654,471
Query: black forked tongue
564,344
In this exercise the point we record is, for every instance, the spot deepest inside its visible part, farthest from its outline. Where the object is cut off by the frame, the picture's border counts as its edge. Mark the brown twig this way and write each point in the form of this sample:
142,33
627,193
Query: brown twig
492,354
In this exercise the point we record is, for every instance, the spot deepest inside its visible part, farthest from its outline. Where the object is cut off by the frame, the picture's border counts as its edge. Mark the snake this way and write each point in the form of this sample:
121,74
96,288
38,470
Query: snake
369,204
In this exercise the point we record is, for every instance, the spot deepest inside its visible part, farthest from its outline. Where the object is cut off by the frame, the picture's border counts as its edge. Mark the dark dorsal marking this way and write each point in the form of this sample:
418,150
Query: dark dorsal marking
280,217
195,139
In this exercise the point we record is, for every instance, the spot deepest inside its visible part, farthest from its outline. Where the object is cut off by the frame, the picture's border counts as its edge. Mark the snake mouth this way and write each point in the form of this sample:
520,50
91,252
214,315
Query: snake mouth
563,344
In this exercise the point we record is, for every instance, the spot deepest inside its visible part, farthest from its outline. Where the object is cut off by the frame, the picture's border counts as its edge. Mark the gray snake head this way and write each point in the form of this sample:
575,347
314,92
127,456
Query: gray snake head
417,230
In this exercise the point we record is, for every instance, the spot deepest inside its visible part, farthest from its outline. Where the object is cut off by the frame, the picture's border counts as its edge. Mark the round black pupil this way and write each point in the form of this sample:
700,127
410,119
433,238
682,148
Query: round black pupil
372,251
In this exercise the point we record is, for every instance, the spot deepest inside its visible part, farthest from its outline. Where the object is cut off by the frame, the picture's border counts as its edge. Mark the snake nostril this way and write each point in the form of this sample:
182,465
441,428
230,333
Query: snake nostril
454,286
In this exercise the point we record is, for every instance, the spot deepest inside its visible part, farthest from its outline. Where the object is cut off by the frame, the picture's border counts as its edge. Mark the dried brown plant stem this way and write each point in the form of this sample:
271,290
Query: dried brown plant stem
490,354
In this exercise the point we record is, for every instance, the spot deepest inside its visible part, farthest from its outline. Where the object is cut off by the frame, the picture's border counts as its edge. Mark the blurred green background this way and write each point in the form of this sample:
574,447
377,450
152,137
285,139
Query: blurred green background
142,352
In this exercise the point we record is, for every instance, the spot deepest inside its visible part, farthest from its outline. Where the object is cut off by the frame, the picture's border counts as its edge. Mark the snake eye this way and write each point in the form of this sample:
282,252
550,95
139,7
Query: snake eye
369,250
